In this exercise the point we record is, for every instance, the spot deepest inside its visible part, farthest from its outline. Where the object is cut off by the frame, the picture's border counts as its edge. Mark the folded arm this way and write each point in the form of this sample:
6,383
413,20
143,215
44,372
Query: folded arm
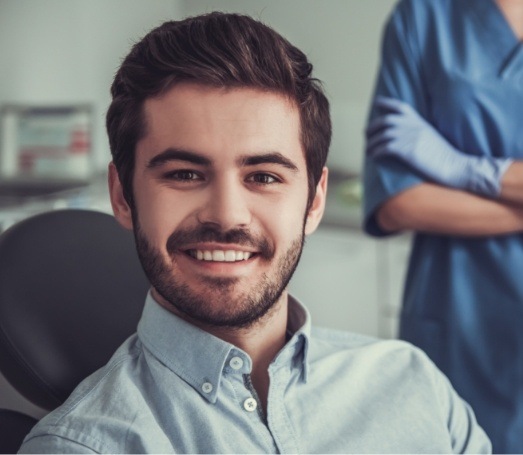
512,184
400,132
438,210
470,195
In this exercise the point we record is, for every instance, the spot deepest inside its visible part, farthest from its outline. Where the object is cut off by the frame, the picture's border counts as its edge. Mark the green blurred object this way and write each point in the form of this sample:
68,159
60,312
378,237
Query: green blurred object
350,191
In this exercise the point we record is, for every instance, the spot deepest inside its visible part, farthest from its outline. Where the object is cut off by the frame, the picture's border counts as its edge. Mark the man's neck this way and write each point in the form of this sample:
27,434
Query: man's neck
264,338
262,341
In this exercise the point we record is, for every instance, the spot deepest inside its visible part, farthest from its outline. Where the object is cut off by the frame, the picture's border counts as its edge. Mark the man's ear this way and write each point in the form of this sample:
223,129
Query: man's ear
318,204
121,209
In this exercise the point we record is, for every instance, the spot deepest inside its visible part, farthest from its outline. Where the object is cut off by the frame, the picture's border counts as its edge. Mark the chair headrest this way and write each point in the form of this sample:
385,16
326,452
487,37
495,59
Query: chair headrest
71,291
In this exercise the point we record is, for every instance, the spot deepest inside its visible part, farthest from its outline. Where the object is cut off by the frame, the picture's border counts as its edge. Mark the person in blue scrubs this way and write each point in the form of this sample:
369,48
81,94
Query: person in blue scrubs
444,159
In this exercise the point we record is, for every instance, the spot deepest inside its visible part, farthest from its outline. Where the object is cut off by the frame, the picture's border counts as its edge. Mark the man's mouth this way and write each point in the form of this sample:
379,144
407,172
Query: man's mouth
220,255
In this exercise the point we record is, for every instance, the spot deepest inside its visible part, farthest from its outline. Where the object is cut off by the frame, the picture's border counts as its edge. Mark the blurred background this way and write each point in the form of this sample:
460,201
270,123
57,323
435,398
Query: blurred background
58,60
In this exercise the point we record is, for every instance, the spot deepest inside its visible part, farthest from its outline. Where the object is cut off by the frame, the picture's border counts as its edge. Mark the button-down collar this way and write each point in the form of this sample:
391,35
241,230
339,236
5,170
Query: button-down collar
201,359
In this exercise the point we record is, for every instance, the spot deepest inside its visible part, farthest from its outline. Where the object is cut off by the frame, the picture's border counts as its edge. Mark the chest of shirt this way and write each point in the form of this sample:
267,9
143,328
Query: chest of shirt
328,413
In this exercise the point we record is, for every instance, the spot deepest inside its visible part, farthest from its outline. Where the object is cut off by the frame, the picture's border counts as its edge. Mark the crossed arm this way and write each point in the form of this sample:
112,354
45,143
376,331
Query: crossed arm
439,210
470,196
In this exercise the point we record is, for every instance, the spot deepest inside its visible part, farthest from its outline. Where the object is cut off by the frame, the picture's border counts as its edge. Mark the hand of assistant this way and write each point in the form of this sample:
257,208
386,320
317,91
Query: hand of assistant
402,133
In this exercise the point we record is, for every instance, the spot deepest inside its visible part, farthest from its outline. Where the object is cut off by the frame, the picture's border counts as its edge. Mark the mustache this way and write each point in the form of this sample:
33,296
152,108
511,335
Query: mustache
181,237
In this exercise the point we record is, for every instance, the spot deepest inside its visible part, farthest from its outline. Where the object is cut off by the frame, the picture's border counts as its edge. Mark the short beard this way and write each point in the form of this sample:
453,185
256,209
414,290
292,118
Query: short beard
205,307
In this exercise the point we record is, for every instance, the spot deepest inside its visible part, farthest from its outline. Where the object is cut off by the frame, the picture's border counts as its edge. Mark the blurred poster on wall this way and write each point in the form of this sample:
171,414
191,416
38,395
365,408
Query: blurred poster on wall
46,145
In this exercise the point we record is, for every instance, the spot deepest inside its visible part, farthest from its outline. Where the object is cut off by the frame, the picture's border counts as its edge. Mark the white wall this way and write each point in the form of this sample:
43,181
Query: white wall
342,40
56,51
67,51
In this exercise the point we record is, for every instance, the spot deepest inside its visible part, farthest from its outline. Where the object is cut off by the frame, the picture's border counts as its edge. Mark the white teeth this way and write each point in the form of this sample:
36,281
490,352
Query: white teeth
230,256
220,255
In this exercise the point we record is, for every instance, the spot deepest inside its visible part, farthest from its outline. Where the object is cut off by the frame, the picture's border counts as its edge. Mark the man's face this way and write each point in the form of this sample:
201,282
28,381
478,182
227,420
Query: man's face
220,191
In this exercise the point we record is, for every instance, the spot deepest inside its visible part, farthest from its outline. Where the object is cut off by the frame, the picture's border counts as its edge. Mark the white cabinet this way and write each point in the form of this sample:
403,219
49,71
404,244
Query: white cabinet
337,280
351,281
393,253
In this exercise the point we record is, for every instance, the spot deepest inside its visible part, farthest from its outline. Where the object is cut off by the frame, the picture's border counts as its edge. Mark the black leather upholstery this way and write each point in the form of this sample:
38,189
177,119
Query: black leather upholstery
71,291
13,428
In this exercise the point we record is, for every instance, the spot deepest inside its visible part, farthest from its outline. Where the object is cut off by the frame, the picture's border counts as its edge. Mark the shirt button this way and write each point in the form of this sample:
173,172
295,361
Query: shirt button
250,404
207,387
236,363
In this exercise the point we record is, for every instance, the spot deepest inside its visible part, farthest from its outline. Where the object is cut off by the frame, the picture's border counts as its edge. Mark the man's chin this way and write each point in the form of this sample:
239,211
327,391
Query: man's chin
215,307
221,283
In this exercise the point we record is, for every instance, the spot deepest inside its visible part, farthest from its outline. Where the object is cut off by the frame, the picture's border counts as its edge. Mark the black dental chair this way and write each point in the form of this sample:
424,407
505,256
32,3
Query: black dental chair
71,291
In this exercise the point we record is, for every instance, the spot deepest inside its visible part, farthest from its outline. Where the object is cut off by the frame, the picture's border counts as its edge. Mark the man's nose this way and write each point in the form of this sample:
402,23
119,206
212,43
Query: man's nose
226,205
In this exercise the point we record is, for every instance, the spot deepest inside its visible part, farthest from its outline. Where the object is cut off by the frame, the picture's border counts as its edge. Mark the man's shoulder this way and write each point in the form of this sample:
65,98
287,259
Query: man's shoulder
356,343
343,339
110,397
397,387
399,355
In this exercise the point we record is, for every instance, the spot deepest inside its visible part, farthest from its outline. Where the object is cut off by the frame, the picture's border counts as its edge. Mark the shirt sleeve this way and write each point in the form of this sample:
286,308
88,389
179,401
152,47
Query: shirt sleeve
466,435
401,77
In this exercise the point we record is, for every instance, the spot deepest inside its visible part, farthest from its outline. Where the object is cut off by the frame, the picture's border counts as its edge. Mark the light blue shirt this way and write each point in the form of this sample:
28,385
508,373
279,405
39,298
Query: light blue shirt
175,388
459,64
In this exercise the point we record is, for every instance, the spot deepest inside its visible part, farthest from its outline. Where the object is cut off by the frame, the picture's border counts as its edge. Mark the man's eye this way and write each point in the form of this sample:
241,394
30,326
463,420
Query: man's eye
182,175
263,179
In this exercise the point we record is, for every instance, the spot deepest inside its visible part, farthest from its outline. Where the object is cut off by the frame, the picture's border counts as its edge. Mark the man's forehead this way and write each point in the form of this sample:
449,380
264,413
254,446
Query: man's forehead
199,118
192,97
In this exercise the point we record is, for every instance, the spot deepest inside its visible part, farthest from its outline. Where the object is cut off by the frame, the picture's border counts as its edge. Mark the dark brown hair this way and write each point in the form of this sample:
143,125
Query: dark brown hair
219,50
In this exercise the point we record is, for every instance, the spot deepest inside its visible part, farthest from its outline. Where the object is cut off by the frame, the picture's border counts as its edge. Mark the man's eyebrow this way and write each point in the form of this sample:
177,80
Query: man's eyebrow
269,158
173,154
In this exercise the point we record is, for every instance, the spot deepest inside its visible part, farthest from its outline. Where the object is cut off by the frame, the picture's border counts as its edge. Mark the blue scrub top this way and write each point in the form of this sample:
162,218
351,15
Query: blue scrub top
460,65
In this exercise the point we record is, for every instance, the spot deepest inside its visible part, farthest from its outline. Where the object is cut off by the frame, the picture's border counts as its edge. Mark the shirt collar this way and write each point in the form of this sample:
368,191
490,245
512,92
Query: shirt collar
299,328
200,358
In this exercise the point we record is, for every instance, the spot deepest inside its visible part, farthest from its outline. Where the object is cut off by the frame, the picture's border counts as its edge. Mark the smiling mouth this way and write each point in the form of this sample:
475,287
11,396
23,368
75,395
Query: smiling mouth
220,255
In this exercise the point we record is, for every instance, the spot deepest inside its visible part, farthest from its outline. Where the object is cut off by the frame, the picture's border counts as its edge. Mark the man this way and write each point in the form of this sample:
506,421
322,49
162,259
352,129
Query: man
219,137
